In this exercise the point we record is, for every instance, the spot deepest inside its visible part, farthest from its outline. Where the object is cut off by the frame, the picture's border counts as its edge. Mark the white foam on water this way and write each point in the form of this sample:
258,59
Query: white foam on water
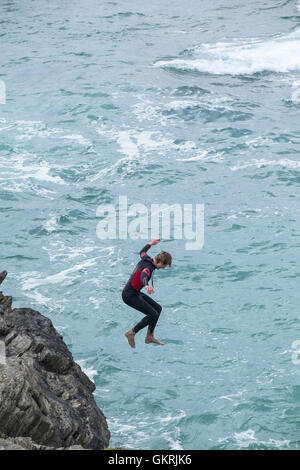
137,429
133,145
203,157
5,128
207,102
286,163
180,104
120,427
38,297
125,140
150,140
146,110
185,146
89,371
51,224
237,214
259,141
30,129
78,139
234,397
277,444
295,97
127,145
21,168
246,438
146,146
58,251
173,441
62,276
27,130
95,301
277,54
42,173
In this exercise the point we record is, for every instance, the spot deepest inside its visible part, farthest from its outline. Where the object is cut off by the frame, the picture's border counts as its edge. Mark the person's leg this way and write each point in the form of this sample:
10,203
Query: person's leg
127,296
152,302
152,315
150,333
136,301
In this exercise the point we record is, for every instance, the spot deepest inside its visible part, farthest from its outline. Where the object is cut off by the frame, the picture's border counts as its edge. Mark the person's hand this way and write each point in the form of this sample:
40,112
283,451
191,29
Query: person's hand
155,241
150,289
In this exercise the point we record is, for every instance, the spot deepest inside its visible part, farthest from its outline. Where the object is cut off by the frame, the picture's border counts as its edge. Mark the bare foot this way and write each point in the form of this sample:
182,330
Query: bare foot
130,336
151,339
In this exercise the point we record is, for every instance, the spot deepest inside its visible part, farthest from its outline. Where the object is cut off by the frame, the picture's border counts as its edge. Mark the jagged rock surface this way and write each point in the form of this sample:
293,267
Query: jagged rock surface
44,395
26,443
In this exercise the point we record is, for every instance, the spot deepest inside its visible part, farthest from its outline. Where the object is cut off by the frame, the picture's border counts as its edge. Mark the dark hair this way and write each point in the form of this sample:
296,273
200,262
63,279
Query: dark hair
164,257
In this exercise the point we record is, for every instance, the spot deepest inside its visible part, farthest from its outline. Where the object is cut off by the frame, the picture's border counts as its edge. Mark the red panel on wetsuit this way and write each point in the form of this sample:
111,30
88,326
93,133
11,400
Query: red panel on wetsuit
136,282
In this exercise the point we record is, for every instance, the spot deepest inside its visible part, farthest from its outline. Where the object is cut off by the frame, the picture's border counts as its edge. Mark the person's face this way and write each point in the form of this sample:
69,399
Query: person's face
160,265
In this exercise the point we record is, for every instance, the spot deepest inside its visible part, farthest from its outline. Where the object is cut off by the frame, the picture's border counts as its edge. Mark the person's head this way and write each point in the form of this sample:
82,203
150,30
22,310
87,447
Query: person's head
162,260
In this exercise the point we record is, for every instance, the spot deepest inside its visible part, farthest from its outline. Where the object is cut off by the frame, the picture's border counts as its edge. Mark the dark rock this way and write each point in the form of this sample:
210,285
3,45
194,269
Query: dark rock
44,395
26,443
3,275
5,301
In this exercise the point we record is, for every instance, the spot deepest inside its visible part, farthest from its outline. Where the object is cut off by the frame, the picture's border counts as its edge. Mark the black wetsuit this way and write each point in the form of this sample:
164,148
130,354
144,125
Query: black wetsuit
132,296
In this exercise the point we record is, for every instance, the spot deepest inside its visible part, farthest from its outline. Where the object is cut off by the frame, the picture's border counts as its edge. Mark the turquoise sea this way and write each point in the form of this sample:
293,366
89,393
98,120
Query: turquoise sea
161,102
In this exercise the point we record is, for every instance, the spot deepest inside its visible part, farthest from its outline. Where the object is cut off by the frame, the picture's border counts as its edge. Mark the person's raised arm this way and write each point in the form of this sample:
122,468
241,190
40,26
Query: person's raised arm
148,246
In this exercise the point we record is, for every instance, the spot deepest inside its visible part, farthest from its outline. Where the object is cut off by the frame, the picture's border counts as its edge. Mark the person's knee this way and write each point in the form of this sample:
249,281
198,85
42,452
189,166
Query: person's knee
155,316
125,298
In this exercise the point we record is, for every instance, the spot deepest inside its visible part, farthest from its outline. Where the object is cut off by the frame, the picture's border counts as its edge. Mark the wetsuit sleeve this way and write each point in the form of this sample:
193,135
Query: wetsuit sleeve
144,250
145,276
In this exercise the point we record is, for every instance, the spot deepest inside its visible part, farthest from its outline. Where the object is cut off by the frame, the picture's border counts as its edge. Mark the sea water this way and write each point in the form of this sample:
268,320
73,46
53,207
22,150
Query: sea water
173,102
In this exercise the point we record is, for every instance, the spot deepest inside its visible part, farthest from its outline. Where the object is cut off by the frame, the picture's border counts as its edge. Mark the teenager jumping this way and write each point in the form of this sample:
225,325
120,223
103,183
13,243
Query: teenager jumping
133,296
